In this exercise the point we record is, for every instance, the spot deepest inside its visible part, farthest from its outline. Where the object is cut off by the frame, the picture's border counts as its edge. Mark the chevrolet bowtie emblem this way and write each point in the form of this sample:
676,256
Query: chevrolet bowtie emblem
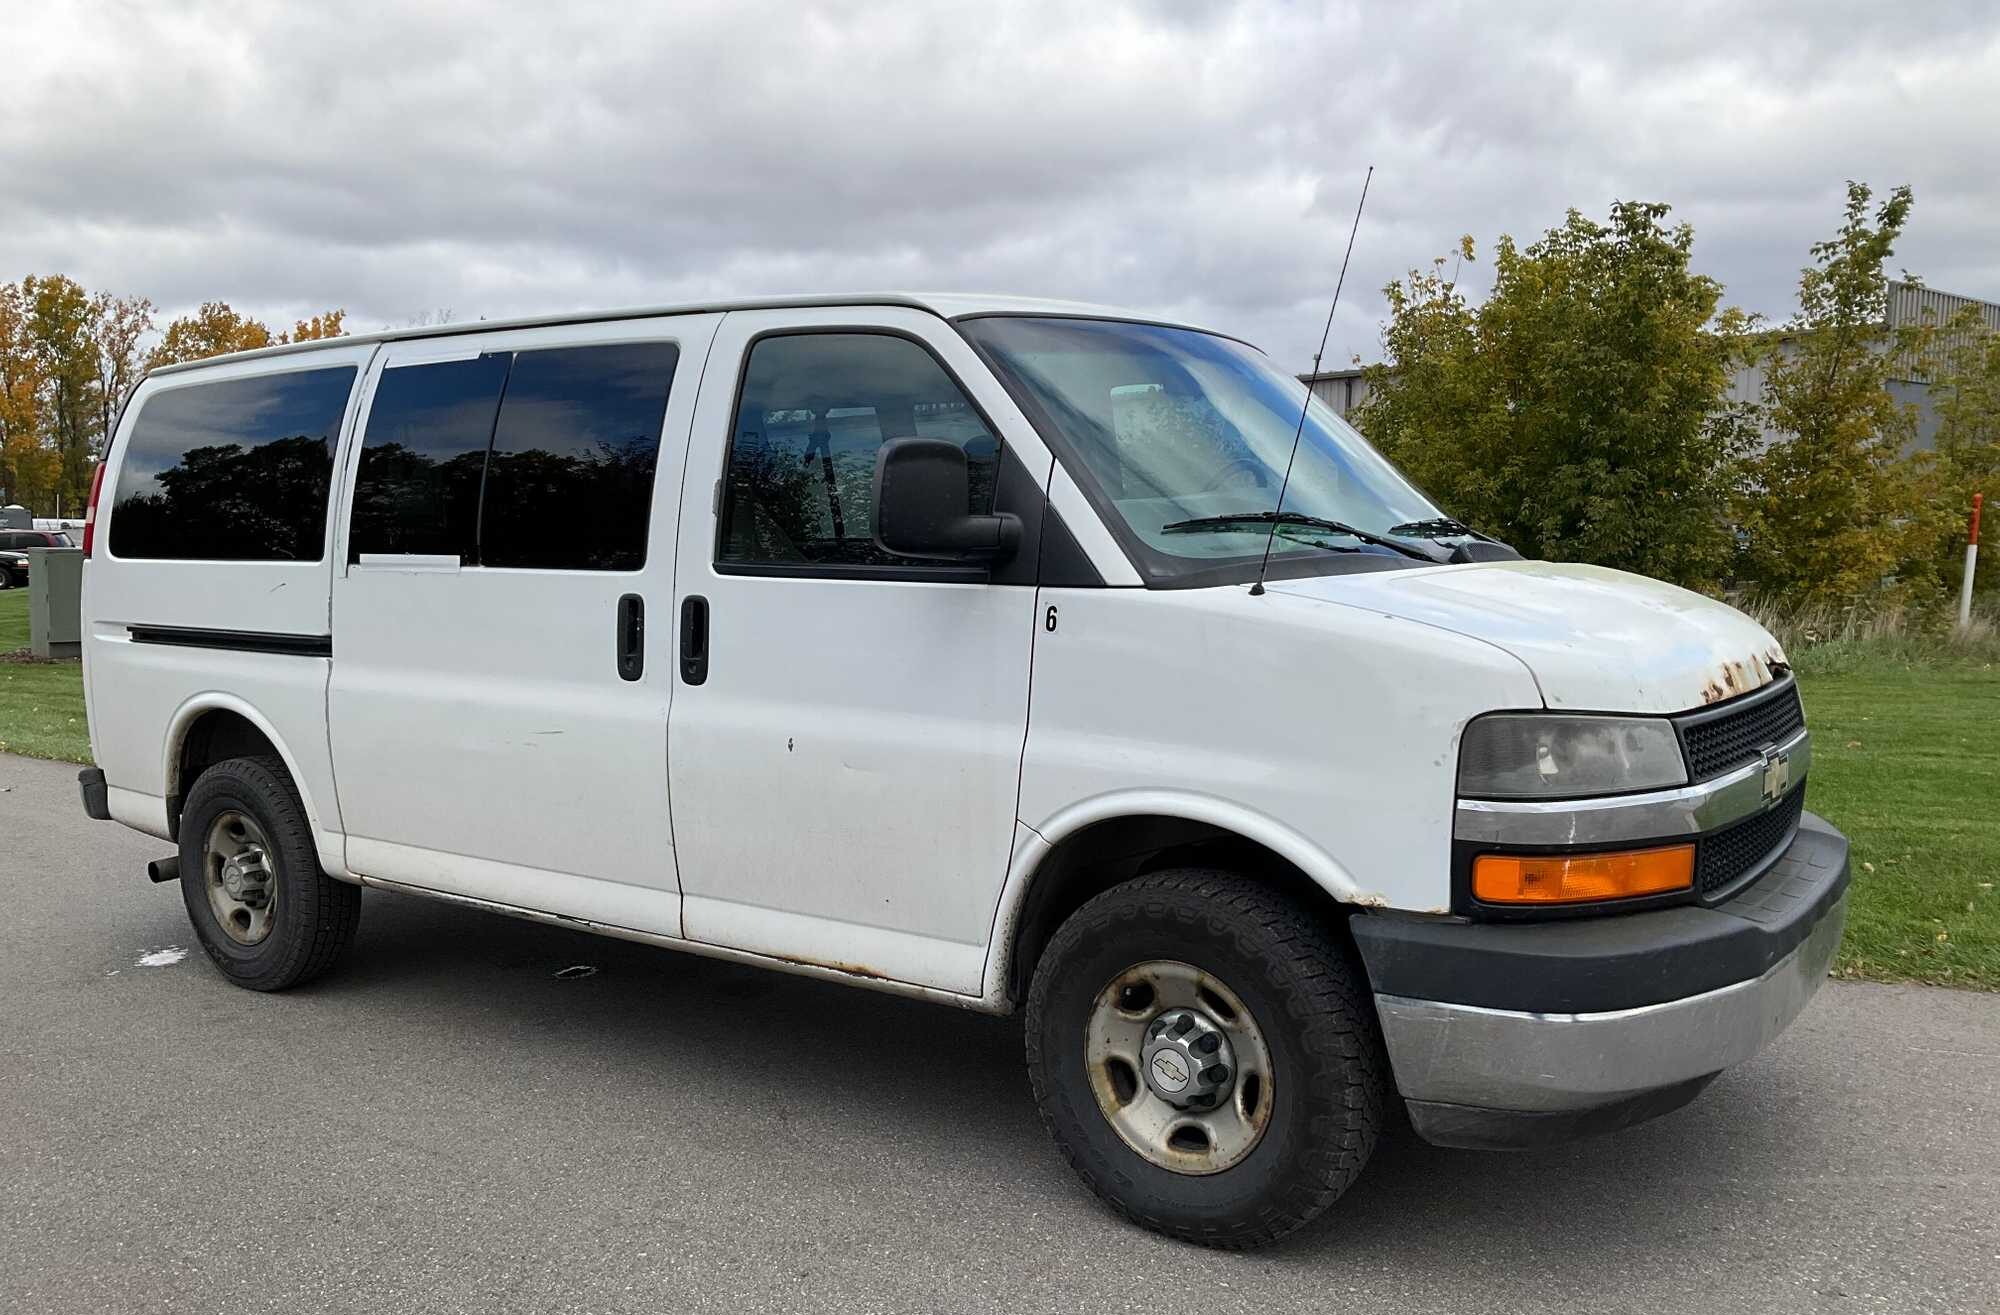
1777,774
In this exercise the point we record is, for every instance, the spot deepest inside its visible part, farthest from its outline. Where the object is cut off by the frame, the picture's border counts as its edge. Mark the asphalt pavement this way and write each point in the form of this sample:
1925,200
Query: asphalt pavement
446,1123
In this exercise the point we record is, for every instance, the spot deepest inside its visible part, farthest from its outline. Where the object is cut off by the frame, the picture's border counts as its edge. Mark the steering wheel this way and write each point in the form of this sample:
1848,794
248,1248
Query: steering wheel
1259,473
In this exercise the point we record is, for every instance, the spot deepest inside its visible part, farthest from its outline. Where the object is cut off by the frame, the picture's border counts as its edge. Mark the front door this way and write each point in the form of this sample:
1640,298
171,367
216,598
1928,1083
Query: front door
845,746
498,703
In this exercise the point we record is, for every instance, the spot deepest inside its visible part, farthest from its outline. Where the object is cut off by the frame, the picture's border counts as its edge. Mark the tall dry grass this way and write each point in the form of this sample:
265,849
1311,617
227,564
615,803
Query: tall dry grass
1838,638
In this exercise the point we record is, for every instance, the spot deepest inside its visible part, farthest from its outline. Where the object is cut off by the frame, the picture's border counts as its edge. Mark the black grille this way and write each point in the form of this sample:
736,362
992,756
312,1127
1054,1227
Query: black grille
1722,859
1722,741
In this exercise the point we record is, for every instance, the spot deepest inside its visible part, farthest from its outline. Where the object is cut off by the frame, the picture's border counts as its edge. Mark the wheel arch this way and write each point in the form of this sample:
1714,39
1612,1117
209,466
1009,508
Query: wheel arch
214,726
1093,846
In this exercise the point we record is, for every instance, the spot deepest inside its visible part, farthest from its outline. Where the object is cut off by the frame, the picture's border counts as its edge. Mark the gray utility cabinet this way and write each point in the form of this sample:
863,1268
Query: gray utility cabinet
55,602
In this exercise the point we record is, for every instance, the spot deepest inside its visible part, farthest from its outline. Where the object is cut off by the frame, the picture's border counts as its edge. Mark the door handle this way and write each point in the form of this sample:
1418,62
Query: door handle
694,639
631,637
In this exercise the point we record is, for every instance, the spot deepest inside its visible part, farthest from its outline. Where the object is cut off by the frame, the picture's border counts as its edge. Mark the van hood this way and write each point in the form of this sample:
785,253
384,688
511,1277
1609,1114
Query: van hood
1594,639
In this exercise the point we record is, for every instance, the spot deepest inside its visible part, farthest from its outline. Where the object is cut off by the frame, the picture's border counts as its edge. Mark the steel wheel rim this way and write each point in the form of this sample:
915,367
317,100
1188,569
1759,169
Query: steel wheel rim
241,877
1191,1141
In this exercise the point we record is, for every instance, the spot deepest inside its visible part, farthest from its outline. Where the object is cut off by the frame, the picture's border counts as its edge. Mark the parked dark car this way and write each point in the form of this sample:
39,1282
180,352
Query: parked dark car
14,557
16,540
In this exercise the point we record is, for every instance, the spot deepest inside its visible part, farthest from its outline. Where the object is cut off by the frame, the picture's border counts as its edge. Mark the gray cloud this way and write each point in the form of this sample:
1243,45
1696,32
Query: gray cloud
1198,159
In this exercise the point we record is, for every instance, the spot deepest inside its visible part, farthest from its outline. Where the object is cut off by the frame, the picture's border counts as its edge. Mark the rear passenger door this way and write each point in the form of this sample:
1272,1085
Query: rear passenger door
500,684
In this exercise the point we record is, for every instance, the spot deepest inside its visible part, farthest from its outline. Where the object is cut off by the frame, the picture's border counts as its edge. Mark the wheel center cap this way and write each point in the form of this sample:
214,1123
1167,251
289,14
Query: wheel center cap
1187,1059
242,874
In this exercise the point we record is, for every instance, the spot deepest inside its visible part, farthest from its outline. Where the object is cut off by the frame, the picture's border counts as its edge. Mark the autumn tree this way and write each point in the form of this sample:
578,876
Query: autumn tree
117,324
216,328
1580,412
1831,508
62,330
27,467
330,324
210,331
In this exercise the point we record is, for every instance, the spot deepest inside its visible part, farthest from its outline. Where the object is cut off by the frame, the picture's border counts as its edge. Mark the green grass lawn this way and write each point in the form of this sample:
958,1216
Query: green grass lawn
13,620
1906,760
41,703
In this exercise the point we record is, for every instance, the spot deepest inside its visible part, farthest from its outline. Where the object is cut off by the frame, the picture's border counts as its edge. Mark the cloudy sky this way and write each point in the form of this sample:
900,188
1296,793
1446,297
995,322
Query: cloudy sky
1198,159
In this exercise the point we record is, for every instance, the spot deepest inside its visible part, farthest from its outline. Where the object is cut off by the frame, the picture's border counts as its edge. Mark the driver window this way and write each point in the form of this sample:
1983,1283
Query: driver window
814,410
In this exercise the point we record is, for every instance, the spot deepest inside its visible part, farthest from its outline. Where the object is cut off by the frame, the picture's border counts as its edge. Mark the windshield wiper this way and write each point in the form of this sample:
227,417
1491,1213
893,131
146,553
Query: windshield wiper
1251,520
1438,527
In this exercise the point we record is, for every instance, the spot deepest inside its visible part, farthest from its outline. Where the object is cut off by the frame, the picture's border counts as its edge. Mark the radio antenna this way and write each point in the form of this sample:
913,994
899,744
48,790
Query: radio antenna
1298,433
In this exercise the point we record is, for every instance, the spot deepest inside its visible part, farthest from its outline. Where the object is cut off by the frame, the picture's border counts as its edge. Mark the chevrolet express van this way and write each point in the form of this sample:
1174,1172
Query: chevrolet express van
925,644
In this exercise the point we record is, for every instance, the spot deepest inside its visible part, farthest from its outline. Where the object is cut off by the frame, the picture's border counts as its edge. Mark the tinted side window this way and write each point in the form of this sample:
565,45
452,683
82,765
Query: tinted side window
576,444
815,407
237,470
417,489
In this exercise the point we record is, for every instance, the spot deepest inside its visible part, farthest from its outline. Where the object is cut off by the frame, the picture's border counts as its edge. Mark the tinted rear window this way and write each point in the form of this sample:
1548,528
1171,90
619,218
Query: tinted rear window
237,470
417,490
579,431
473,459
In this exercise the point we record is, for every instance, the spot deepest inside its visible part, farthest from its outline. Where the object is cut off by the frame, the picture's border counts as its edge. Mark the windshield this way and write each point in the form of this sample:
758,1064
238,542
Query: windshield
1173,426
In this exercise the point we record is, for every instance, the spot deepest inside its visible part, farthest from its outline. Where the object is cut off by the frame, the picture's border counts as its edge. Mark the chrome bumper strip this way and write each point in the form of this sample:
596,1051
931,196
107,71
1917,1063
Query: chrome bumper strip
1685,811
1503,1059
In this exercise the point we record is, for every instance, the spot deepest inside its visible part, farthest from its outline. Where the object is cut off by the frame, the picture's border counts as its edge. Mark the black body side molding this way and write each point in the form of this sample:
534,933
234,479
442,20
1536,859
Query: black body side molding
242,641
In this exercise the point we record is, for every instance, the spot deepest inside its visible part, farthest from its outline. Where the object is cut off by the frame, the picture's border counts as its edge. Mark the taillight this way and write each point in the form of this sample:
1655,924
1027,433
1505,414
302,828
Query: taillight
90,512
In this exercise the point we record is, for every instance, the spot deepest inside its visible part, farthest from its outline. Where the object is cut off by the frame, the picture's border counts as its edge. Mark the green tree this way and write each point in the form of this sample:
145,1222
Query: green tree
1965,374
1581,411
1832,508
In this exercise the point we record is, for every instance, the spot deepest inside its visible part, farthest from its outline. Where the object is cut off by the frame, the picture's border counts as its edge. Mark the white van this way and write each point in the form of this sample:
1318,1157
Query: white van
921,643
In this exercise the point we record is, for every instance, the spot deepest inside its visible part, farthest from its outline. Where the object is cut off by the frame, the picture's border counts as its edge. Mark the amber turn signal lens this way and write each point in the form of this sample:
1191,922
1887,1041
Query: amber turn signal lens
1573,878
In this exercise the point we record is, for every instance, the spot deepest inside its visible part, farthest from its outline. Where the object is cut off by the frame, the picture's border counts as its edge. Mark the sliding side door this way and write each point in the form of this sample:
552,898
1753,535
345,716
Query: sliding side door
498,704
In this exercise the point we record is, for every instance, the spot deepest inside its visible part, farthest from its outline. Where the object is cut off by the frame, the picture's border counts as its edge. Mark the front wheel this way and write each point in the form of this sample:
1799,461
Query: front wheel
1205,1056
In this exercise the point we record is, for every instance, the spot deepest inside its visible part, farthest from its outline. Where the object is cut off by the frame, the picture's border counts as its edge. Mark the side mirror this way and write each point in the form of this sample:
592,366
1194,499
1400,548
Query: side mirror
922,497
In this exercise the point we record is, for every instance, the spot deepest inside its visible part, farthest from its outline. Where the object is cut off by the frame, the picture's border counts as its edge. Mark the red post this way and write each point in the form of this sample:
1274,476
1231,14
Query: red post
1971,565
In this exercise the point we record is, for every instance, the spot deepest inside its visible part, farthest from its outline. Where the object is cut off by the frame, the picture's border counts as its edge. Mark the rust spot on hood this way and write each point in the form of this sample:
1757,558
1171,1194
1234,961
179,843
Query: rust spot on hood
1740,676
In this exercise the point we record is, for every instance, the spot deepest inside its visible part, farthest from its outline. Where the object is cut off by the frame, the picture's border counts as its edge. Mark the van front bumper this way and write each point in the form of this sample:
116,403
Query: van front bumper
1523,1034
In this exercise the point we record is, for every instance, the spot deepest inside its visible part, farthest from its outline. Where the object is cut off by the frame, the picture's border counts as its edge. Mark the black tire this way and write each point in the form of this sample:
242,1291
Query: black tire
1303,986
313,918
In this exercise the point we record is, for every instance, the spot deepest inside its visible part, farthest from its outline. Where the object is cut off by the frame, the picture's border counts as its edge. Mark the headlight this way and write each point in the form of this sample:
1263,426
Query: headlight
1533,755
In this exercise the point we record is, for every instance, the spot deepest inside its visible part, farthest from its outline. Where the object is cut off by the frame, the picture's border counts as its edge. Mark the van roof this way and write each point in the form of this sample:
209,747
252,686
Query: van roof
949,305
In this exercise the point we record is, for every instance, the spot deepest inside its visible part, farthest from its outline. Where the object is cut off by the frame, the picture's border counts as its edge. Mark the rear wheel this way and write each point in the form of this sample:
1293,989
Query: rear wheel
1205,1057
261,905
